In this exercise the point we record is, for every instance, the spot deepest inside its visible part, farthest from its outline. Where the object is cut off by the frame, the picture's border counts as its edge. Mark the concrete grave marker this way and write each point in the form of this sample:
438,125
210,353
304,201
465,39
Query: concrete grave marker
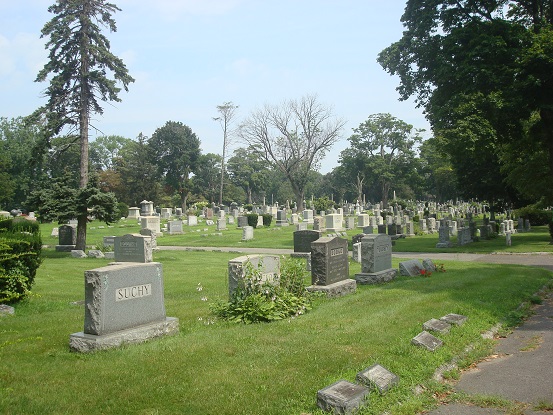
95,253
78,253
427,341
377,377
342,397
439,326
456,319
267,265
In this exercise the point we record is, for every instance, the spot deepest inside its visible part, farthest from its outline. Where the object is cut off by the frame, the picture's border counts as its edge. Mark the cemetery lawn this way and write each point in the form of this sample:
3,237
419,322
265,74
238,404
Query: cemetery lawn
213,367
537,240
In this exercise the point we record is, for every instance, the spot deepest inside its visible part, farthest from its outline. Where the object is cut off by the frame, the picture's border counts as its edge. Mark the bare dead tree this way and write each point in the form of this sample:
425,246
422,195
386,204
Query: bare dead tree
293,137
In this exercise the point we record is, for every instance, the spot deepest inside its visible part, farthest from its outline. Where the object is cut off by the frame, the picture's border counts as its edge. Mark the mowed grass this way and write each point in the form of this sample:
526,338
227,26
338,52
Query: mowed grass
213,367
537,240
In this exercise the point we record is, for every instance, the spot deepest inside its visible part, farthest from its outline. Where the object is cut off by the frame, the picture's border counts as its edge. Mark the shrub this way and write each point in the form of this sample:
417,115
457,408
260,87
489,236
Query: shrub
267,219
248,207
323,203
536,216
256,301
123,209
252,219
20,257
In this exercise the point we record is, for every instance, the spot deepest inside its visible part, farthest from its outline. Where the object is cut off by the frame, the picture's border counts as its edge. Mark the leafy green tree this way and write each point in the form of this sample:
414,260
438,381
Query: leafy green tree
138,173
487,61
104,150
387,145
437,172
293,138
206,179
175,150
249,171
78,65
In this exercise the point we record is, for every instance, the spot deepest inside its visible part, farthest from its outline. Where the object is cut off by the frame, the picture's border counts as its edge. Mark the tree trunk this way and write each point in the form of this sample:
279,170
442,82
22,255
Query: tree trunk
547,119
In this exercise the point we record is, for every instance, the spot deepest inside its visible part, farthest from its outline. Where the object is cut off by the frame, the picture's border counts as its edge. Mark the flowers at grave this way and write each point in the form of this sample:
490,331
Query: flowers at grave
440,268
425,273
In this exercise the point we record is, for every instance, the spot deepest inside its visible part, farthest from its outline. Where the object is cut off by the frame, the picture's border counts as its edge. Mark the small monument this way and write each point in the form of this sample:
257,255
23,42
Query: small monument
376,260
67,235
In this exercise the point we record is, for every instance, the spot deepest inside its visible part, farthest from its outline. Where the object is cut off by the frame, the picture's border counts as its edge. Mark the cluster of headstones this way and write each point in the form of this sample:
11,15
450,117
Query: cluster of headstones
344,397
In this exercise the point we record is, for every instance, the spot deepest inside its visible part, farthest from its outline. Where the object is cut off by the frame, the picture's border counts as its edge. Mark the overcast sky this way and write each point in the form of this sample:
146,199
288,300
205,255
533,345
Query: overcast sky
188,56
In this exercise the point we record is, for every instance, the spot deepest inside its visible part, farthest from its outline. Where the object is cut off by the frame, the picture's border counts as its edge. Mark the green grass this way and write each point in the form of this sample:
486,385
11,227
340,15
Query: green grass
224,368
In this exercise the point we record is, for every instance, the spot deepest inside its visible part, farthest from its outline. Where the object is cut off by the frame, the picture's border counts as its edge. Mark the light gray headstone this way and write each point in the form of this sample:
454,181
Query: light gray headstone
95,253
410,268
456,319
78,253
247,233
428,265
439,326
267,265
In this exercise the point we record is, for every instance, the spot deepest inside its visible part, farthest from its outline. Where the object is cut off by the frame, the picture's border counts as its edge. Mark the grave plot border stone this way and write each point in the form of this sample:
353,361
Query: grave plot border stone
377,377
456,319
410,268
427,341
342,397
436,325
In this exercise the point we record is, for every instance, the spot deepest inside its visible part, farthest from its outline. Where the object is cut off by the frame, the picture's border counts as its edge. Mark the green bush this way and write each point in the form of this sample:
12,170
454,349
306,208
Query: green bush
123,209
323,203
252,219
248,207
536,216
20,257
267,219
256,301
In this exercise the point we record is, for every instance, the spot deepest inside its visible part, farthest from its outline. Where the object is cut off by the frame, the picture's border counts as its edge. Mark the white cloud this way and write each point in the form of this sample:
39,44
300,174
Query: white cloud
174,9
7,61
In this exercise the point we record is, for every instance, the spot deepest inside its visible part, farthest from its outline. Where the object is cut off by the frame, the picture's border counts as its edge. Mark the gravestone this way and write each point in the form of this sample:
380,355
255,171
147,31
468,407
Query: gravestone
221,224
301,226
192,220
231,220
166,213
151,222
333,223
67,238
368,230
428,265
382,229
356,252
350,222
319,223
281,218
150,234
146,208
174,227
308,216
247,233
78,253
133,248
267,265
363,220
124,303
95,253
427,341
439,326
376,260
242,221
378,378
108,241
456,319
134,213
303,240
55,232
260,221
342,397
443,238
410,268
330,267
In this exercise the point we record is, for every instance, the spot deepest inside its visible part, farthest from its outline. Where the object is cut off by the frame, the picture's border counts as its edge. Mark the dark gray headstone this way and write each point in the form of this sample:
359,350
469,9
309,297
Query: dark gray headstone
304,238
67,235
342,397
427,341
382,229
329,261
242,221
377,377
133,248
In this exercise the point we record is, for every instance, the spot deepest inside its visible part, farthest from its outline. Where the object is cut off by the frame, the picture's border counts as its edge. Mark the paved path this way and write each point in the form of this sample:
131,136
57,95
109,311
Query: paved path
521,368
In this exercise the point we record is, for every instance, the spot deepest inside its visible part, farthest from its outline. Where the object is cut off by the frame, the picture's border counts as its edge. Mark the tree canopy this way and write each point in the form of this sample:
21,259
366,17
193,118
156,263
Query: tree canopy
482,70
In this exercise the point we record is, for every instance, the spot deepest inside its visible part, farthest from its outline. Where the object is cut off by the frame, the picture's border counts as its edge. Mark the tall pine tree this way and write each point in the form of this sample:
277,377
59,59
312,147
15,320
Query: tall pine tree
79,66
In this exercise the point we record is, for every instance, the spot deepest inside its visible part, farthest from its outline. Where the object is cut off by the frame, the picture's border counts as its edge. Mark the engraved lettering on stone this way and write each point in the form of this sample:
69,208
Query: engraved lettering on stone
130,293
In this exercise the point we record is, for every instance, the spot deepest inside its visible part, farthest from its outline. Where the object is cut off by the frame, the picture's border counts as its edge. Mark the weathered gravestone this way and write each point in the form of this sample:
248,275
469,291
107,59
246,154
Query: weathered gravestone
192,220
411,268
376,260
342,397
439,326
330,267
319,223
108,241
124,303
174,227
150,234
266,269
95,253
456,319
221,224
377,377
67,241
247,233
6,310
133,248
242,221
151,222
443,236
333,223
427,341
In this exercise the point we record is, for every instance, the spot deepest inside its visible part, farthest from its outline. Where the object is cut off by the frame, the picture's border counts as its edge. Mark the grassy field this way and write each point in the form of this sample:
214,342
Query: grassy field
212,367
537,240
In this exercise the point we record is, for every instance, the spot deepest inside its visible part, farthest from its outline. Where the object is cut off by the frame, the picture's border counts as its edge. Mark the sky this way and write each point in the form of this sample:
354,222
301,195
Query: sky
189,56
